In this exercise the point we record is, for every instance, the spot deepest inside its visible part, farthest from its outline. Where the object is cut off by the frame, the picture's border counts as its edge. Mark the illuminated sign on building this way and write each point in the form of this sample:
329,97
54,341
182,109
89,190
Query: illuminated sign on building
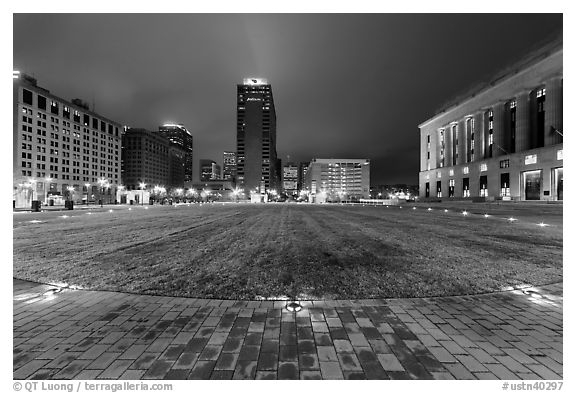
531,159
255,81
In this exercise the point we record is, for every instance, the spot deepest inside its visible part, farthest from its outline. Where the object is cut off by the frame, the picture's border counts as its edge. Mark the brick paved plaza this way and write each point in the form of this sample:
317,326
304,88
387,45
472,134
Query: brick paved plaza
78,334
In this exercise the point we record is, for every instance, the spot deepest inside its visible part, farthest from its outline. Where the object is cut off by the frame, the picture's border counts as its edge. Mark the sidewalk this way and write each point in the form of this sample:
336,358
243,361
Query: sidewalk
77,334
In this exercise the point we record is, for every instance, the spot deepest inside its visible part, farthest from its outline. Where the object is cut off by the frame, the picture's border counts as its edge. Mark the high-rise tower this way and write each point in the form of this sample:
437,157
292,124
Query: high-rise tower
179,135
256,137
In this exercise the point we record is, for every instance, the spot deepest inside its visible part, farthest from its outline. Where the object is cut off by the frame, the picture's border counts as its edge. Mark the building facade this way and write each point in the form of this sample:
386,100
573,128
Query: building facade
61,149
150,158
256,137
209,170
332,180
302,169
504,141
290,178
229,166
179,135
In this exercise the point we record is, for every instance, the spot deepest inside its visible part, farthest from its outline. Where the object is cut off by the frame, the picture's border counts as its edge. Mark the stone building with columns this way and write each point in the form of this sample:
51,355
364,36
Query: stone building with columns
503,140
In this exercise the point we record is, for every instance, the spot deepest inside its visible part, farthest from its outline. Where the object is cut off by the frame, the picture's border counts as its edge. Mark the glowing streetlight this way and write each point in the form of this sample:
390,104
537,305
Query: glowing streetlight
142,187
87,185
47,180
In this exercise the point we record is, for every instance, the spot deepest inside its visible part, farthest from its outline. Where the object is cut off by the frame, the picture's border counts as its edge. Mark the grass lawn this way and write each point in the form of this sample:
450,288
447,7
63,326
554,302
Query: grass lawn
243,251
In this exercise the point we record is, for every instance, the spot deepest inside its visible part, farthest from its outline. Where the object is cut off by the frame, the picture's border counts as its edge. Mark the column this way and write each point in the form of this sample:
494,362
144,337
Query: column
433,149
553,112
523,121
499,131
479,136
447,145
461,130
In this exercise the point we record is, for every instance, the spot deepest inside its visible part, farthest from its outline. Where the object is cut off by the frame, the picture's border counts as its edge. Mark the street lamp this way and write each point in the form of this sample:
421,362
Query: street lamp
47,184
87,185
103,183
70,192
142,187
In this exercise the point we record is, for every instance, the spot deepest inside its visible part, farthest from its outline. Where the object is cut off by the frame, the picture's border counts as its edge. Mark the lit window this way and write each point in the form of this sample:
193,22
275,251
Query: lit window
451,172
438,175
560,155
512,104
483,167
465,170
541,93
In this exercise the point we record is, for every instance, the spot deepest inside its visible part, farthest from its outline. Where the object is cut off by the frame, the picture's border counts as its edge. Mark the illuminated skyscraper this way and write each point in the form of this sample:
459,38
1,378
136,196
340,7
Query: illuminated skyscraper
256,137
179,135
229,170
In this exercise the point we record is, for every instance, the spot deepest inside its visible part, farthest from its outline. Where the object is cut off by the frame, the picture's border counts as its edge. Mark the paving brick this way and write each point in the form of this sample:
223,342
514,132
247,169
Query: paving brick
308,375
186,360
343,346
202,369
390,362
245,369
308,362
226,361
118,367
288,353
288,370
268,361
331,370
327,354
272,375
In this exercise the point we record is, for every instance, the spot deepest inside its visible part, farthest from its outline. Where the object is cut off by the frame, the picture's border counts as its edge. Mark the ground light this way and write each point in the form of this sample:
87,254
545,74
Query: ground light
414,208
110,210
540,225
486,215
89,213
512,219
64,216
429,209
146,208
294,307
445,210
465,213
129,208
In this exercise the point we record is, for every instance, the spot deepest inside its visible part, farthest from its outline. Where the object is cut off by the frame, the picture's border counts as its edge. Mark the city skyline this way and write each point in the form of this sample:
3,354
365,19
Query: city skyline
350,85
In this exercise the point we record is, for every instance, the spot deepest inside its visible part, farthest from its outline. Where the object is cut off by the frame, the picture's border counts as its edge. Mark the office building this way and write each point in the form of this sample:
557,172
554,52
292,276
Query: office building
229,168
179,135
209,170
333,180
257,170
150,158
290,178
501,141
61,149
302,169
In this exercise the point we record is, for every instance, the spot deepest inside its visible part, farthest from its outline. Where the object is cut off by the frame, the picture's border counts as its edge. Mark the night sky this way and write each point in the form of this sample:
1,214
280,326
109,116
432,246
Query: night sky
344,85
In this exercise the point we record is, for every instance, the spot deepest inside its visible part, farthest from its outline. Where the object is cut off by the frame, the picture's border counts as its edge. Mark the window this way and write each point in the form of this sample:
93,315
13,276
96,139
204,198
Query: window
451,185
454,144
466,187
54,107
490,133
540,117
27,96
504,184
560,154
483,167
483,186
512,126
66,113
86,120
451,172
504,163
41,102
439,189
465,170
